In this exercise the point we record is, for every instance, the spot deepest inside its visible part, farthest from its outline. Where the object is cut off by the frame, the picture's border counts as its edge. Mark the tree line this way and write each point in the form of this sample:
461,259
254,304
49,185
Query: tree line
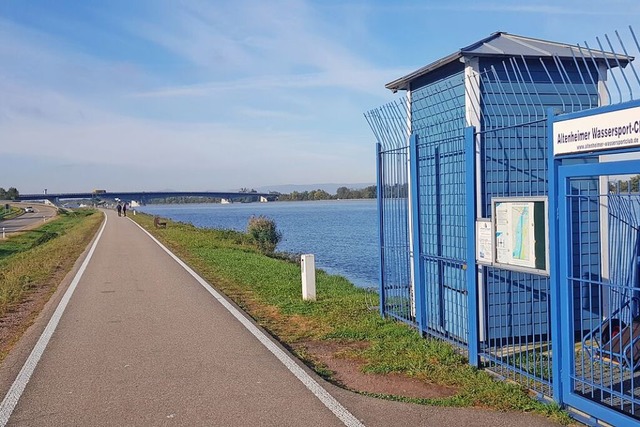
342,193
11,194
631,185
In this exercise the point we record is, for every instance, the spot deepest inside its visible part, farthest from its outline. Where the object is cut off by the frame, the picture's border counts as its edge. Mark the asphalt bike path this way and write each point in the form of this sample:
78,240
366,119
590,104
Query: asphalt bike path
144,341
141,342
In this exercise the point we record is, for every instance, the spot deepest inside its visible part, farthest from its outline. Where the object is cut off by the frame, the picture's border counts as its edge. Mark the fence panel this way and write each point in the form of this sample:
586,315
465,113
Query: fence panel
606,295
516,338
438,120
390,125
396,249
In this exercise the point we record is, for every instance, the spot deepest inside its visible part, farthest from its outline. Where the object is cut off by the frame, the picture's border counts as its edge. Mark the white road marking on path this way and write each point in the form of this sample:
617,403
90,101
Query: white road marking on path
17,388
347,418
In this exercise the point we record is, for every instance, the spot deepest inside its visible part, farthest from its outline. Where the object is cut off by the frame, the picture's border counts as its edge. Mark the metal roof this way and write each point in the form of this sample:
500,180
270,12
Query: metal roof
510,45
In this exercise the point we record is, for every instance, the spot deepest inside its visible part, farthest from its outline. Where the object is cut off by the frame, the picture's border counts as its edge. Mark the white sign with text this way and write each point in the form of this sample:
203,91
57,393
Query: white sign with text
605,131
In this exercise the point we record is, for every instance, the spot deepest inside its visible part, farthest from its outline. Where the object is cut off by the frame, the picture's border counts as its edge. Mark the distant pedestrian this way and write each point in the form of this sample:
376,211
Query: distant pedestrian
124,208
119,208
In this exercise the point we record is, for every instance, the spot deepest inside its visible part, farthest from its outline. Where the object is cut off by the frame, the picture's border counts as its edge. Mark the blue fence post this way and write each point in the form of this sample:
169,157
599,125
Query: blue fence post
418,286
472,275
554,277
379,195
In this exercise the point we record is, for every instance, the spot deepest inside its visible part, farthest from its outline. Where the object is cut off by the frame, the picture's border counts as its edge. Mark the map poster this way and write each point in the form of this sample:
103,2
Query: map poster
515,234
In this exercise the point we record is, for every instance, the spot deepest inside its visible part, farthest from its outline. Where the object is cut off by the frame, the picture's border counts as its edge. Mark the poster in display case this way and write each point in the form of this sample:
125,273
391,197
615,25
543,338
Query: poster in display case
521,234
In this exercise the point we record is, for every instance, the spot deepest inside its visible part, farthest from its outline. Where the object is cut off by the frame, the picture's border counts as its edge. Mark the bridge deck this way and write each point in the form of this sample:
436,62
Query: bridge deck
142,195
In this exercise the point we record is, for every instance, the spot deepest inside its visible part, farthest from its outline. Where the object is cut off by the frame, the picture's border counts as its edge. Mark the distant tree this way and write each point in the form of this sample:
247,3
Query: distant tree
370,192
349,193
299,196
343,193
12,193
3,193
631,185
396,191
320,195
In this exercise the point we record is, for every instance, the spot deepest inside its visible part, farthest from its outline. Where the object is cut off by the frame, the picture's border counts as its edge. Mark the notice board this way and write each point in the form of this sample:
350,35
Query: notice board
520,232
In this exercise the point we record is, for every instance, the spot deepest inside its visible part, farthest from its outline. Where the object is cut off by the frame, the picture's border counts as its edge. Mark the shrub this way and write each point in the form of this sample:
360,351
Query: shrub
264,233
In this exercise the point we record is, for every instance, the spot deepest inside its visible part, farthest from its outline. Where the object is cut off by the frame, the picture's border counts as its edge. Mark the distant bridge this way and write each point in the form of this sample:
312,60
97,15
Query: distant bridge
140,196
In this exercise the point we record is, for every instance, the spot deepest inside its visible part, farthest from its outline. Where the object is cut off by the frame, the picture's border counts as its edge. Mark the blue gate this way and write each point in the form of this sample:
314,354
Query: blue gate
598,281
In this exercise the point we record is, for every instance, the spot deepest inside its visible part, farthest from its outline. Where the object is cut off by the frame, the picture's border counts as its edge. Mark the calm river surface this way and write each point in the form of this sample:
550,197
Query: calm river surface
342,234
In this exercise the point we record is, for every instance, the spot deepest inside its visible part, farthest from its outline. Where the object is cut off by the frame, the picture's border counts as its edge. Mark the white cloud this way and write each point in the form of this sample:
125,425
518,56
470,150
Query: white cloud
239,93
545,7
264,88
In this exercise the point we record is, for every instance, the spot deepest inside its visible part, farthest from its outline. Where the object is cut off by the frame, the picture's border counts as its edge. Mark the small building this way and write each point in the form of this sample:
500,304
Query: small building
465,149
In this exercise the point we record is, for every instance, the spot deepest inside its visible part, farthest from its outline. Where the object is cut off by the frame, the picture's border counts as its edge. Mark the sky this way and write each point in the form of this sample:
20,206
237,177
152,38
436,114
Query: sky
216,95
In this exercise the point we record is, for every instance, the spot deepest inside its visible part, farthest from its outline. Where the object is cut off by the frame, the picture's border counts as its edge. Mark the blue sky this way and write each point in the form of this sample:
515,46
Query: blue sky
217,95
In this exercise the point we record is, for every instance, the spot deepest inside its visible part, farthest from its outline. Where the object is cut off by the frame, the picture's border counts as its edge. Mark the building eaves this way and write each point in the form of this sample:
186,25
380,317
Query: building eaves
510,45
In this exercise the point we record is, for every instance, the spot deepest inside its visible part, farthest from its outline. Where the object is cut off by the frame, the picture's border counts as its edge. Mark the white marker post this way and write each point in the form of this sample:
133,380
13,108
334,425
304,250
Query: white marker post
308,277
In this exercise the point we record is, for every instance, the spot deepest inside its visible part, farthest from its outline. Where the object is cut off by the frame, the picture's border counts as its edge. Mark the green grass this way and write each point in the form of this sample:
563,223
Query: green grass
11,213
42,256
48,231
270,290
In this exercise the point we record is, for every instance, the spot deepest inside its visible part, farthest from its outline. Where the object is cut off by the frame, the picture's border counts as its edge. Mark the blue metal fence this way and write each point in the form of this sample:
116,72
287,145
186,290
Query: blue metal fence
606,359
438,120
389,122
598,280
514,320
423,279
396,288
516,338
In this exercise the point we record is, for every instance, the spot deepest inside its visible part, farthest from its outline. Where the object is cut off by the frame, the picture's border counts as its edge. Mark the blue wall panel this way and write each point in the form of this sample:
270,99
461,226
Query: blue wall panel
515,165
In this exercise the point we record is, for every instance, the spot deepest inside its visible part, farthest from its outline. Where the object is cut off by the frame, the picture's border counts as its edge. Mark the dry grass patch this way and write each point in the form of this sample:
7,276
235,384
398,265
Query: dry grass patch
29,277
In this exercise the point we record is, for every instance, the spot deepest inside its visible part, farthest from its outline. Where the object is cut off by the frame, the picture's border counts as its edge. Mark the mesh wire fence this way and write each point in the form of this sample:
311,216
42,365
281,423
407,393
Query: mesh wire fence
513,98
438,121
605,248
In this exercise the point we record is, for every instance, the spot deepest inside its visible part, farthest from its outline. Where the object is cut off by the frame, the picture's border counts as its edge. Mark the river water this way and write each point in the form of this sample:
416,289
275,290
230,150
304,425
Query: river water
342,234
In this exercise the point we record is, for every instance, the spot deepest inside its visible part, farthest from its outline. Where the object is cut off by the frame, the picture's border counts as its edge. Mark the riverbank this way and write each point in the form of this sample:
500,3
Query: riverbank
341,335
342,234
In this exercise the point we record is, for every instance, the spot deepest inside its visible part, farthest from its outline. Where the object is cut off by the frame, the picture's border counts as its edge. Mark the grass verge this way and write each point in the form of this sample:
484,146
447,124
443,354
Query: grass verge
40,257
269,290
11,213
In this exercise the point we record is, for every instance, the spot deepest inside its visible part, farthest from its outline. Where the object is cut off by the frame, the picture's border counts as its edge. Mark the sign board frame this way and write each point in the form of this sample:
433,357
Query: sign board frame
521,234
608,130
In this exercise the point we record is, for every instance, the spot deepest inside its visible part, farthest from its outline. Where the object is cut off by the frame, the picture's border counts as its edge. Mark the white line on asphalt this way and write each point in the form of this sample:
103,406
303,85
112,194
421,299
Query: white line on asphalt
347,418
17,388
